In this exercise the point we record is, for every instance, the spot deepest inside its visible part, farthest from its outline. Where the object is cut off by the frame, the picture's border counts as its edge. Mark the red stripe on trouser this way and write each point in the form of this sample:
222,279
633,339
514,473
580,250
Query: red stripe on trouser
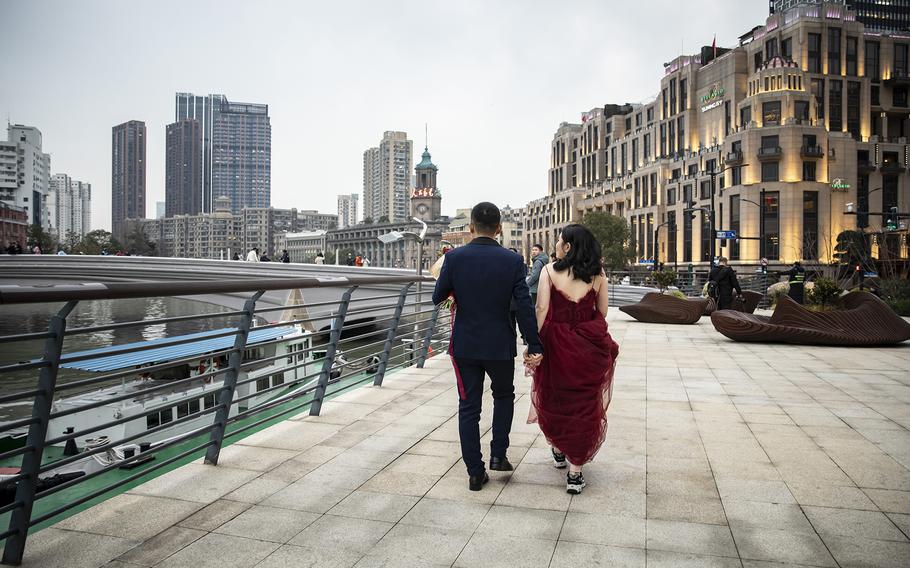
461,393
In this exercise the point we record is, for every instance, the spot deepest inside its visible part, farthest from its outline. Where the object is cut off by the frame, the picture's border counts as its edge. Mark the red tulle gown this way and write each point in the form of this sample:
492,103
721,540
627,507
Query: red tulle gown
574,383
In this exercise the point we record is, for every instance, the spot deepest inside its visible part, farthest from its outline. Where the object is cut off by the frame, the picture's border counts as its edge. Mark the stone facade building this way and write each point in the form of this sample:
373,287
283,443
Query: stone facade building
25,173
387,178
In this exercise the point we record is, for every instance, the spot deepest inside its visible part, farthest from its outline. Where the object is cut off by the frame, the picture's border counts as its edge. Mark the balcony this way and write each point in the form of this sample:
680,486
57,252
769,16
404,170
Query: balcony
898,78
812,152
864,166
892,168
769,153
735,157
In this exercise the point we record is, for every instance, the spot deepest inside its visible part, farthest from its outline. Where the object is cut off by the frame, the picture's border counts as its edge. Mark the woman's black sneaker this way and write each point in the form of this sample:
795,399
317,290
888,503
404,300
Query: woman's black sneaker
575,482
559,460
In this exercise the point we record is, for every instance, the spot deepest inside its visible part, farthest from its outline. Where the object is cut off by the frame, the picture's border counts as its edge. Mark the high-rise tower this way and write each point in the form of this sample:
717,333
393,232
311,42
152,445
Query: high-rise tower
127,174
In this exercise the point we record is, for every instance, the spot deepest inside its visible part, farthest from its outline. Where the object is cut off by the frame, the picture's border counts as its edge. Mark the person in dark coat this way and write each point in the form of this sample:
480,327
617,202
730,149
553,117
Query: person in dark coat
483,278
796,276
725,282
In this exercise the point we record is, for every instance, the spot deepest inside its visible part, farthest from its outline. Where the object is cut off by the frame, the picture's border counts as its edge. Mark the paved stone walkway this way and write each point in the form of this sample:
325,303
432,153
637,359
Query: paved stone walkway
718,455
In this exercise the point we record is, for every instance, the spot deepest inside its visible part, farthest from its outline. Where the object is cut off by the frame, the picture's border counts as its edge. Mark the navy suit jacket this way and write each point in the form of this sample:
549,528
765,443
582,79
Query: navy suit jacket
484,278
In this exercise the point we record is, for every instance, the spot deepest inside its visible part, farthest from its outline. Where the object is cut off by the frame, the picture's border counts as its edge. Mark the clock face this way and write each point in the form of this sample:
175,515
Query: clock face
422,208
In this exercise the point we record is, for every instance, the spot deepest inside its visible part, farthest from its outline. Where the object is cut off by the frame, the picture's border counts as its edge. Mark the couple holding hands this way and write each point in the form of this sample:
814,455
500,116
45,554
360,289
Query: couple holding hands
570,352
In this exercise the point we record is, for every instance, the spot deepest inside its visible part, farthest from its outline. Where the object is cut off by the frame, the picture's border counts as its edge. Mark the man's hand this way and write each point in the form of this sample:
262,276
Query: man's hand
532,360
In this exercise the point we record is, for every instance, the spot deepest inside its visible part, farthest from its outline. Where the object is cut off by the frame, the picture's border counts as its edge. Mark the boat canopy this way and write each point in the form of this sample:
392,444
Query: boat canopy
161,350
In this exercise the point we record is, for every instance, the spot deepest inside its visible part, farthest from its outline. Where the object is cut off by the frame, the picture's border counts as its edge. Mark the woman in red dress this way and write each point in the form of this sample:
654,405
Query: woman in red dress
574,383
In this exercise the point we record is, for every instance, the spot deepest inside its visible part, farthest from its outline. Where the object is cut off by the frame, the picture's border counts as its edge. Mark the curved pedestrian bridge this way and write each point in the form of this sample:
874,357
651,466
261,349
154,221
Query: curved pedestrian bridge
719,454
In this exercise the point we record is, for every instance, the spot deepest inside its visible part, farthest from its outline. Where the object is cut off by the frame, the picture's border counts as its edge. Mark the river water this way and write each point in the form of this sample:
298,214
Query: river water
30,318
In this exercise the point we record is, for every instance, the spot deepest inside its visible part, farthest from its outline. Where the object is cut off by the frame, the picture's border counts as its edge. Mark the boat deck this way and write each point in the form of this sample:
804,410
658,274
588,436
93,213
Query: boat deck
719,454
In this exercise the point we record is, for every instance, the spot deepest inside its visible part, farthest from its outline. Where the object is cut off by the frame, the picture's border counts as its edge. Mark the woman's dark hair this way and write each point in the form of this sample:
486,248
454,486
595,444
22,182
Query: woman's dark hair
584,254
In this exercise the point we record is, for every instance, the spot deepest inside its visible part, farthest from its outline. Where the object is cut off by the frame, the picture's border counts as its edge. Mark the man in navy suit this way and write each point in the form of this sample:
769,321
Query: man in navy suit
484,278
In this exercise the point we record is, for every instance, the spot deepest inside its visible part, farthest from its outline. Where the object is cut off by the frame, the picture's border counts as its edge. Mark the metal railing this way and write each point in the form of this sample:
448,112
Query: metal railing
387,332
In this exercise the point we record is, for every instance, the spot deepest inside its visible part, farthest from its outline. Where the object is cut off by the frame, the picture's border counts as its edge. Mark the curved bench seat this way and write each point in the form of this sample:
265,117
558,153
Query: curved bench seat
655,307
864,321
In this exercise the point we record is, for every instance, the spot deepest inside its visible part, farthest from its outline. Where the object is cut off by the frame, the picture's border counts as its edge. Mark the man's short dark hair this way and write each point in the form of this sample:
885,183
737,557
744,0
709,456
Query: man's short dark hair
486,217
538,245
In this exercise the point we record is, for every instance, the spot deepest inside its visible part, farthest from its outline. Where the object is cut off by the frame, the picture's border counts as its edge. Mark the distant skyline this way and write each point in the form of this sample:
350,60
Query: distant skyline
493,80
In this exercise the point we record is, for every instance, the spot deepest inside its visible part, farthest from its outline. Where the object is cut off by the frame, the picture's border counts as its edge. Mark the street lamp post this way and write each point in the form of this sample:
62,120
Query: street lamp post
711,213
656,249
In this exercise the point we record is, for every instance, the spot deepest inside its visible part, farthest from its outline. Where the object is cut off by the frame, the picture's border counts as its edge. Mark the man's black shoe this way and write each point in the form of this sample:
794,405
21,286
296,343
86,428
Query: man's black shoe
500,464
475,482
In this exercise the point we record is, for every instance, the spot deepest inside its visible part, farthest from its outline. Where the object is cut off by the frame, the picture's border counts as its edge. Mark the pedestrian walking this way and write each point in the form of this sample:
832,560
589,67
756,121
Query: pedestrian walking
320,258
539,259
285,257
253,255
721,284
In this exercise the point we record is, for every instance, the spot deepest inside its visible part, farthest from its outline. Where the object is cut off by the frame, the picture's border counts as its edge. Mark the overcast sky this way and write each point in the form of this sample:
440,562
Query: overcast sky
493,79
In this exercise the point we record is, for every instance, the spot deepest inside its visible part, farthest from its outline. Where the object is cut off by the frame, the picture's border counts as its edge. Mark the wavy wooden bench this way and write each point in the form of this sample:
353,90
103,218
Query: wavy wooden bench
655,307
864,321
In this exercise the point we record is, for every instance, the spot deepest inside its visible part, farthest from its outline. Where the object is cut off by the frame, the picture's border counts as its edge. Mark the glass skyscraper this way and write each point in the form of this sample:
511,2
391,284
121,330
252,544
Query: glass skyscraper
235,150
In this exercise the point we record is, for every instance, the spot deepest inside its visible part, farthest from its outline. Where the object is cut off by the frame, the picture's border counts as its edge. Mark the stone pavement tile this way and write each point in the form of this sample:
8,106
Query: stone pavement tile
577,554
119,516
161,546
765,564
256,490
312,496
196,482
253,458
902,521
823,495
689,509
754,490
693,538
890,501
337,412
539,474
220,551
268,523
781,546
408,545
342,533
756,514
382,443
427,465
604,529
340,475
363,458
736,469
445,514
291,435
436,448
57,548
290,471
455,488
864,553
289,556
318,454
664,559
700,485
879,471
850,523
214,515
609,500
374,506
499,551
401,483
525,523
534,496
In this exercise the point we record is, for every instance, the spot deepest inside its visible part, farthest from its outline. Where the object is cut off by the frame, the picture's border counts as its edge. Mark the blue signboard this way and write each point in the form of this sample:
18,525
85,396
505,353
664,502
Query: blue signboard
726,234
868,274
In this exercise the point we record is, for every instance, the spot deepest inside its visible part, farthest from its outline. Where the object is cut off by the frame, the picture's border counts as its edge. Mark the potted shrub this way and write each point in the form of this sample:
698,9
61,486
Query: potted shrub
664,279
824,295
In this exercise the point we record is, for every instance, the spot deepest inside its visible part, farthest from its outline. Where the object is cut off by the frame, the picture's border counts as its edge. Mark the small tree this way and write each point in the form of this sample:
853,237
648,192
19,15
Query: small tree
664,279
825,294
612,232
137,242
97,241
384,219
38,236
367,220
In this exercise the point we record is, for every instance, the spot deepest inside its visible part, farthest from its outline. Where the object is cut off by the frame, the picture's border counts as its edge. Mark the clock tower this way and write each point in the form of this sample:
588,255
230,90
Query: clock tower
426,201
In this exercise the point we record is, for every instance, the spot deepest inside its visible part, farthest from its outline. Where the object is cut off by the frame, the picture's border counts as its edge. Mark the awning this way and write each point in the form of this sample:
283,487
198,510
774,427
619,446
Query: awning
162,350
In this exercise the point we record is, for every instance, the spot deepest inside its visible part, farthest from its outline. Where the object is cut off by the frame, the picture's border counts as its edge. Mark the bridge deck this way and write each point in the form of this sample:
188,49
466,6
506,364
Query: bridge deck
719,454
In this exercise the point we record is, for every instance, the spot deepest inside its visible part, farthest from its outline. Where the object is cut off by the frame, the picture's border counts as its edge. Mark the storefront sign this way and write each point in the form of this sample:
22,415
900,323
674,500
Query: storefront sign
708,107
715,93
838,184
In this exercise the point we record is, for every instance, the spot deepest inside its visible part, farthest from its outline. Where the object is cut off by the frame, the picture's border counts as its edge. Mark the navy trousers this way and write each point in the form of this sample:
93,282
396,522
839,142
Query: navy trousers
470,373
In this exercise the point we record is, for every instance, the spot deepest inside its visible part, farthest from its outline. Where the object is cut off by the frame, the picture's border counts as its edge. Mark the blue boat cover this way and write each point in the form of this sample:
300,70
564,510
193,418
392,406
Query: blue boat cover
161,350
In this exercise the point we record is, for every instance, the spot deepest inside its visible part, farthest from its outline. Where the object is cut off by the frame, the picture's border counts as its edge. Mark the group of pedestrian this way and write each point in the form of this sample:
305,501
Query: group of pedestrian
254,256
569,354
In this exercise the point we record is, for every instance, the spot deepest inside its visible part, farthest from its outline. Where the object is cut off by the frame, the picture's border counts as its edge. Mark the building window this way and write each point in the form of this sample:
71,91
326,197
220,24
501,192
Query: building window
900,59
737,175
683,95
623,160
853,93
705,189
705,238
757,59
786,48
873,61
814,56
836,104
851,56
687,194
672,136
727,118
664,100
681,128
745,116
809,170
671,236
770,112
899,96
834,51
646,147
771,48
770,171
653,189
663,140
687,237
734,226
875,96
671,196
771,211
672,97
634,154
801,110
818,91
810,225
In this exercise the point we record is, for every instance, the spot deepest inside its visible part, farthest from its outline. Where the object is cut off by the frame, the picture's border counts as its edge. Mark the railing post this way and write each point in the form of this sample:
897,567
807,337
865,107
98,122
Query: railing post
330,351
226,398
428,338
21,517
393,330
